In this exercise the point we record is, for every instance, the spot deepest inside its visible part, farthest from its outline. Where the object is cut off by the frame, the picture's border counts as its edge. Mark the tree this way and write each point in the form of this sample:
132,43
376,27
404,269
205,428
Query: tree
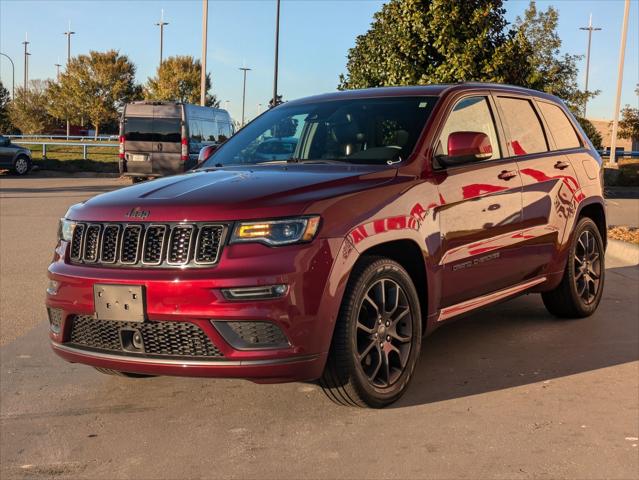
94,86
629,123
178,80
28,110
5,100
549,71
417,42
591,132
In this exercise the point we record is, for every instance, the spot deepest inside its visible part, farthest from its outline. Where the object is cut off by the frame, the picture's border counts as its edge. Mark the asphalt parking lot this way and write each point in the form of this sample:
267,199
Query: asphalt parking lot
505,393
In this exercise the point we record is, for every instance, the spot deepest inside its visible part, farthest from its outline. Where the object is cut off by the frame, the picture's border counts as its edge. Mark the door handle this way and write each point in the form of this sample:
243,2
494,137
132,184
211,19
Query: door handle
507,174
560,165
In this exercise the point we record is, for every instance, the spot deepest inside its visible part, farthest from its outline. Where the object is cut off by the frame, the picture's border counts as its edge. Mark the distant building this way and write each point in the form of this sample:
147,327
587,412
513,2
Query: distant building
604,127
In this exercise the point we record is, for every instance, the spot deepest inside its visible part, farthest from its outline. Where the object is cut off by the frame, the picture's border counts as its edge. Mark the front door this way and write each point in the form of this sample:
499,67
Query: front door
480,216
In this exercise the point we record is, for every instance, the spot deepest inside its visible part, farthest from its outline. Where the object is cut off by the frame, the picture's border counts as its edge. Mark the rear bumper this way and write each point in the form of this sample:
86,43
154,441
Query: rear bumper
297,368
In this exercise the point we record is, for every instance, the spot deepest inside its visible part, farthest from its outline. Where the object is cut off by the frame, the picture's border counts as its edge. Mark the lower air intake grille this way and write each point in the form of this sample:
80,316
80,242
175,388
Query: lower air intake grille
169,339
248,335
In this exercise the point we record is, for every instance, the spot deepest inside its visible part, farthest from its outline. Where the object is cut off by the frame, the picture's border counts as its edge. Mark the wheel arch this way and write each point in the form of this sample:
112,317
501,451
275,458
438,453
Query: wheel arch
596,211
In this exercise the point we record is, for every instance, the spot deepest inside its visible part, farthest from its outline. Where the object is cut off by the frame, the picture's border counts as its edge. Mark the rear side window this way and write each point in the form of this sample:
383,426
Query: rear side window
519,118
560,126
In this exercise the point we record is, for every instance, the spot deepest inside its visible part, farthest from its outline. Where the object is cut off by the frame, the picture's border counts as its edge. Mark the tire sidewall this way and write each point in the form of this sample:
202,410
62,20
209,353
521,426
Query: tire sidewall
583,308
393,271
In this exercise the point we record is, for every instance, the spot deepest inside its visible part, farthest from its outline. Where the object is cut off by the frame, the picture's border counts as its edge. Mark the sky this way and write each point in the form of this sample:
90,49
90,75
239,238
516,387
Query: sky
315,36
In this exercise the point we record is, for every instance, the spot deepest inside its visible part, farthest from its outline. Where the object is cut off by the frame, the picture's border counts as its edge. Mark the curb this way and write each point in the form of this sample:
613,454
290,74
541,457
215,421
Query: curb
624,251
62,174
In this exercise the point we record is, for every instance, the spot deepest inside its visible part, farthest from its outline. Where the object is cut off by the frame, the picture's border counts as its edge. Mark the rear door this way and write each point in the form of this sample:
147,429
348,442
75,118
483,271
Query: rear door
480,215
167,138
139,139
548,178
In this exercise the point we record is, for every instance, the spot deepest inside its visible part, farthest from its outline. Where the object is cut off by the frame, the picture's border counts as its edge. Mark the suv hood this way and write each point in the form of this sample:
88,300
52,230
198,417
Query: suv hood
231,193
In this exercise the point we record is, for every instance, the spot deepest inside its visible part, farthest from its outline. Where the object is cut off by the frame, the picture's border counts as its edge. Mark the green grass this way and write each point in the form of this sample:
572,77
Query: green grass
68,158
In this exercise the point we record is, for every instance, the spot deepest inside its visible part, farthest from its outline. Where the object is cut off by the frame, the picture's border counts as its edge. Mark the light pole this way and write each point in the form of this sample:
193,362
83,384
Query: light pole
589,29
277,48
26,62
13,75
622,54
68,33
205,21
244,69
161,24
57,67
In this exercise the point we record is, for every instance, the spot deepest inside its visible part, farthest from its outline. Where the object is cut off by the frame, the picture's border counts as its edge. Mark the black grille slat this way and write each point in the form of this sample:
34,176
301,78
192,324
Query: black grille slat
154,240
130,249
147,245
208,244
166,339
91,243
180,244
109,250
76,241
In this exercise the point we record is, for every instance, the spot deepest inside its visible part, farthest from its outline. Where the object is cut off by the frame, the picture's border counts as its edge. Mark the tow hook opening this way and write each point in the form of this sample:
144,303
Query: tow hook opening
132,341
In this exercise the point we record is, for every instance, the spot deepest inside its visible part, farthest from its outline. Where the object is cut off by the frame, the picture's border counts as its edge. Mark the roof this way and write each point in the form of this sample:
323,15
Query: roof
418,90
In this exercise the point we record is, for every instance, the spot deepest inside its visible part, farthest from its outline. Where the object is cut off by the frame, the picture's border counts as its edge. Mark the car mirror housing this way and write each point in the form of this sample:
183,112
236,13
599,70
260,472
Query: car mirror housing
466,147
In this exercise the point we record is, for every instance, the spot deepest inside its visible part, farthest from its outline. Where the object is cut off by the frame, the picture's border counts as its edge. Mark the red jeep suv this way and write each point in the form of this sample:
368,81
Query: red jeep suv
395,211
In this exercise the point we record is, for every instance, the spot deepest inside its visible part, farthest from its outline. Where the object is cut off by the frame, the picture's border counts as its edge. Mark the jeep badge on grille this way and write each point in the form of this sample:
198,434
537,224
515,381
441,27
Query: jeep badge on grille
137,212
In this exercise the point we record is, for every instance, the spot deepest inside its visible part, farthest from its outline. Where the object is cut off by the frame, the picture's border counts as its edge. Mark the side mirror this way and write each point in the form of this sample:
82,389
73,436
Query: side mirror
466,147
205,153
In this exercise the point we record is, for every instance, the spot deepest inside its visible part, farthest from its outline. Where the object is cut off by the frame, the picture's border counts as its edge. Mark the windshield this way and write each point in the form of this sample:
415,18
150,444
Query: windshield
363,131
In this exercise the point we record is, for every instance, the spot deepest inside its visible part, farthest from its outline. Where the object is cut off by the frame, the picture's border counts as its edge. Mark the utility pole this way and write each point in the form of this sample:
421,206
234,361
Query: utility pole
277,50
205,21
26,62
68,33
244,69
161,24
13,75
622,54
589,29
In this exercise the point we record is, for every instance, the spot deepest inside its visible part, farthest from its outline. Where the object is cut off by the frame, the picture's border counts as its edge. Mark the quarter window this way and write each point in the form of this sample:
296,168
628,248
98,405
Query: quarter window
471,114
526,135
560,126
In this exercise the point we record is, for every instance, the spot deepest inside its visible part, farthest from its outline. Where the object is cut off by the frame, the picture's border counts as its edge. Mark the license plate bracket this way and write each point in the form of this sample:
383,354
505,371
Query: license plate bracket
122,303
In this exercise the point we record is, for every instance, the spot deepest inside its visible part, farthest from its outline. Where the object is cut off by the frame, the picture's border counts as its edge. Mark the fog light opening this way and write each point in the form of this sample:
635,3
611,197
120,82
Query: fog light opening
55,320
255,293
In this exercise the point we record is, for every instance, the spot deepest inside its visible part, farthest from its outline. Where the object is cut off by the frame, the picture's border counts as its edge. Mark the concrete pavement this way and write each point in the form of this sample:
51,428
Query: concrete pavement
508,392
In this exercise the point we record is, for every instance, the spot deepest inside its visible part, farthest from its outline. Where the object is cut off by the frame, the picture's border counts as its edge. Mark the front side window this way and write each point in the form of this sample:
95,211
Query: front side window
470,114
363,131
560,127
521,121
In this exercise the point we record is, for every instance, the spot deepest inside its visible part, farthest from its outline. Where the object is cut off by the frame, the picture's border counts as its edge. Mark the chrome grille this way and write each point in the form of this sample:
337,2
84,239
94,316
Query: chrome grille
147,245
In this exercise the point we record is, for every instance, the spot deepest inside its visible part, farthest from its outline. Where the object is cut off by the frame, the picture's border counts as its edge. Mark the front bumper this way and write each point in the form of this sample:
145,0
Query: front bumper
306,314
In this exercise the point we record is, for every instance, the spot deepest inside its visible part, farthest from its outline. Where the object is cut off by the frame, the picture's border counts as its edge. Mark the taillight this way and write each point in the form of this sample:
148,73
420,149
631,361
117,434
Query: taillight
184,156
121,149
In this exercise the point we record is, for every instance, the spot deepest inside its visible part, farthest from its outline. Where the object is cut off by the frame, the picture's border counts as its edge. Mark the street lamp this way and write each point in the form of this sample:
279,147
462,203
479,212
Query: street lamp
589,29
244,69
161,24
68,33
26,61
205,21
57,67
277,48
13,75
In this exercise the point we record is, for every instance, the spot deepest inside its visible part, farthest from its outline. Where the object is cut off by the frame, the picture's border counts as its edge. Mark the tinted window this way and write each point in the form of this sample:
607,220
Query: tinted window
147,129
366,131
471,114
225,131
526,134
560,126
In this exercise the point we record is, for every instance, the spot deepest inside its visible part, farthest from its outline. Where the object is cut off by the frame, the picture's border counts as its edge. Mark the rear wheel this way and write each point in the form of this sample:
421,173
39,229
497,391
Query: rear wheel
377,336
22,165
117,373
581,287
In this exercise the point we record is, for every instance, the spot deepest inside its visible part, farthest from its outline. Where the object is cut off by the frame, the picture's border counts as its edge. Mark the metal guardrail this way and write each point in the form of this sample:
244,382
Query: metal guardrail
90,138
85,146
620,153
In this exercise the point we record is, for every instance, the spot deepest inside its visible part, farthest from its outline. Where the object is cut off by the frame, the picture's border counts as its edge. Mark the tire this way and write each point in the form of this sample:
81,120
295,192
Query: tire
137,179
21,165
581,288
117,373
362,347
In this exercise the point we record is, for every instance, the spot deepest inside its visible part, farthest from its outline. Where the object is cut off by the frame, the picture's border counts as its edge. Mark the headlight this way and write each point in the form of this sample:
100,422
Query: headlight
65,229
277,232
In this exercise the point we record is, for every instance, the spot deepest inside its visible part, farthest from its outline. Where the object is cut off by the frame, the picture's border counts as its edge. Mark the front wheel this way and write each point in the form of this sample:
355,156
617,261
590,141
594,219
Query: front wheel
377,336
581,287
22,165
